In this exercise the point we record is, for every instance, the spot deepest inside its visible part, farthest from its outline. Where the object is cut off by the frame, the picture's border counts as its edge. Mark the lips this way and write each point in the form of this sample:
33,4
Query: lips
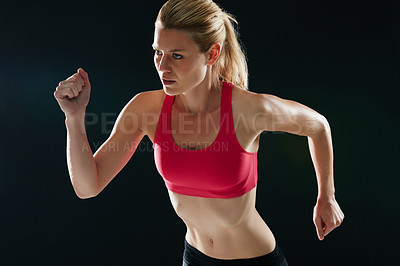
168,80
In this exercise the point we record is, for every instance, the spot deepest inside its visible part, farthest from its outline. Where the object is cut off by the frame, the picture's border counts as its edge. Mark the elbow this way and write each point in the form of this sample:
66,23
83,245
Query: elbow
319,126
85,195
85,190
324,125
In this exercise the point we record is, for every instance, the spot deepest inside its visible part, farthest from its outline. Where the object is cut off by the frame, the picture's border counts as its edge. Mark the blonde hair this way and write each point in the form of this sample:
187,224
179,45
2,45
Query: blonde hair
207,24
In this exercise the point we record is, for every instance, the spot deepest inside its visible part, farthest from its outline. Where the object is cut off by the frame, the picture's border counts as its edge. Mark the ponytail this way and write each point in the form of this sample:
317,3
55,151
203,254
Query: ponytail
232,65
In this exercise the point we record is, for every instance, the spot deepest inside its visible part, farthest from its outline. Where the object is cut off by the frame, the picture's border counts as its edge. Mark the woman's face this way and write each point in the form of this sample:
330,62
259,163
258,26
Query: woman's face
178,58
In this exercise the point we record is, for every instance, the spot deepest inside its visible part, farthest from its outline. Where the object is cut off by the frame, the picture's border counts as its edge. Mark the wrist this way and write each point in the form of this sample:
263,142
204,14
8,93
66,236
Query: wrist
75,122
75,117
326,196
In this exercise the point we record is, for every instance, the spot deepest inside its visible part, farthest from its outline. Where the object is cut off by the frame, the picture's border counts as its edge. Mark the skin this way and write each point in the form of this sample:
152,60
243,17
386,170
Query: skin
220,228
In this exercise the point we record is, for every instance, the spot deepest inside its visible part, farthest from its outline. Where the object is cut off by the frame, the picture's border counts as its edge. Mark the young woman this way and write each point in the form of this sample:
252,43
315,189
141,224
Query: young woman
205,126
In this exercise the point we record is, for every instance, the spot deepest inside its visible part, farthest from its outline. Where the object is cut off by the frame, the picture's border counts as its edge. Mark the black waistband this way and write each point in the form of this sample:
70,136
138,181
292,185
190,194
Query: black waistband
195,257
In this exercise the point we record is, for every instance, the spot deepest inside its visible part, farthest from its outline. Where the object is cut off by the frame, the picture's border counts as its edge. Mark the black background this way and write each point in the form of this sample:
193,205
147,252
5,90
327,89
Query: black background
341,59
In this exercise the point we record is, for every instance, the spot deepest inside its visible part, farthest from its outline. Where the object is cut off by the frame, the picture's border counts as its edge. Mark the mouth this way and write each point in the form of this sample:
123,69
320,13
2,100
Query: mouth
168,82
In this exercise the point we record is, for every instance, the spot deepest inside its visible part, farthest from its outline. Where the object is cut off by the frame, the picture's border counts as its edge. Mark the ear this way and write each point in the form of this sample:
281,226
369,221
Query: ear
213,53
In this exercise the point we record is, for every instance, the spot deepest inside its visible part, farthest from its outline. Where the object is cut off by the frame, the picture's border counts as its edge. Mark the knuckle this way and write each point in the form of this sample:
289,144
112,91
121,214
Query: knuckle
77,87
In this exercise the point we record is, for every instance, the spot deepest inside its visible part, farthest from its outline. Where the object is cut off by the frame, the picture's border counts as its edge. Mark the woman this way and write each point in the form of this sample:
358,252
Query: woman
205,127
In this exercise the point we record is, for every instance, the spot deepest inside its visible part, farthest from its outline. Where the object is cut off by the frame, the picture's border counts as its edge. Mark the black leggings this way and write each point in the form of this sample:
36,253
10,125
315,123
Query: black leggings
194,257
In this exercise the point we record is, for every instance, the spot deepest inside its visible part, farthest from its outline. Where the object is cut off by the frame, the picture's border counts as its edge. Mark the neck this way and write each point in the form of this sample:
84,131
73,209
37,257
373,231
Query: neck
203,98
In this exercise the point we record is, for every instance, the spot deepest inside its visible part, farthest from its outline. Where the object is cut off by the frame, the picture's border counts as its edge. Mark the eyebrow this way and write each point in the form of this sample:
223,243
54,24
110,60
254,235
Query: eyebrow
172,51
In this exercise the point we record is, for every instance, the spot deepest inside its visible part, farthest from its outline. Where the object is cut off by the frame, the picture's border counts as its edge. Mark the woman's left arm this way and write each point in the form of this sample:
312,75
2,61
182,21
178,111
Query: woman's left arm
327,213
276,114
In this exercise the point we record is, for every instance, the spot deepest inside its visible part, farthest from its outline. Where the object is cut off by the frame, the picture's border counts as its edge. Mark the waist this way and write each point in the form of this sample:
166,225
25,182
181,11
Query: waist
251,238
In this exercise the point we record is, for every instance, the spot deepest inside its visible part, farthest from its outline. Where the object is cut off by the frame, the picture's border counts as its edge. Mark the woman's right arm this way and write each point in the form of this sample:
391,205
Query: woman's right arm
89,173
82,167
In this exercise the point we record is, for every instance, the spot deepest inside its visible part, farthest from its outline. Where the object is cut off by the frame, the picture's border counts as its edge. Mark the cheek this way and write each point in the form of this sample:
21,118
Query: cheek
195,68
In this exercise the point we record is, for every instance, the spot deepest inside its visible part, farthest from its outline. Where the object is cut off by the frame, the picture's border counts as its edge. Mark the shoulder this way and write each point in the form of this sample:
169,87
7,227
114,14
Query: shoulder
259,102
252,102
143,105
257,108
146,101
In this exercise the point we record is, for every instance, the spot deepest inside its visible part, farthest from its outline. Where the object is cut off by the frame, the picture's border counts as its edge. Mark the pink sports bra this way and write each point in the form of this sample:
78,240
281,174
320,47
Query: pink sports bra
222,170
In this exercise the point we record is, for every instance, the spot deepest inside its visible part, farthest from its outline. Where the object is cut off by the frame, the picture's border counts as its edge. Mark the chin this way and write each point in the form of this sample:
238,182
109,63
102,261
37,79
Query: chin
171,92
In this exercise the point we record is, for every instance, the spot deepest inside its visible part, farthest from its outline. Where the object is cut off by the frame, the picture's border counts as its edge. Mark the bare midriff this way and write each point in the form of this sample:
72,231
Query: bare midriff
224,228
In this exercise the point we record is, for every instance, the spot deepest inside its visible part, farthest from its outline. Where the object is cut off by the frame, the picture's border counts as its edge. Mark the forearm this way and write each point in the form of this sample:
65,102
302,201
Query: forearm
321,150
81,164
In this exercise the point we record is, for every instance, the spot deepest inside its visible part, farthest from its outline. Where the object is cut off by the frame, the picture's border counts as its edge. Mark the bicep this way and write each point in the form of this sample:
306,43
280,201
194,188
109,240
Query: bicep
289,116
117,150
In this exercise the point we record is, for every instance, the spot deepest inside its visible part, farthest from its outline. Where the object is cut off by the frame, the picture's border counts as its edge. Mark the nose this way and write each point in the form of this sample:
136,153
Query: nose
163,64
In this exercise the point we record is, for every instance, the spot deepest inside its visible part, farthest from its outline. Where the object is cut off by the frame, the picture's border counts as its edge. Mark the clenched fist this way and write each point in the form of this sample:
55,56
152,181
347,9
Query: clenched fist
73,93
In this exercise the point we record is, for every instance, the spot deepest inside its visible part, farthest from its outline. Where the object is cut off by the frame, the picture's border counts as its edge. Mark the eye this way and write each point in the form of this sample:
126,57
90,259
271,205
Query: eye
157,52
175,56
179,56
